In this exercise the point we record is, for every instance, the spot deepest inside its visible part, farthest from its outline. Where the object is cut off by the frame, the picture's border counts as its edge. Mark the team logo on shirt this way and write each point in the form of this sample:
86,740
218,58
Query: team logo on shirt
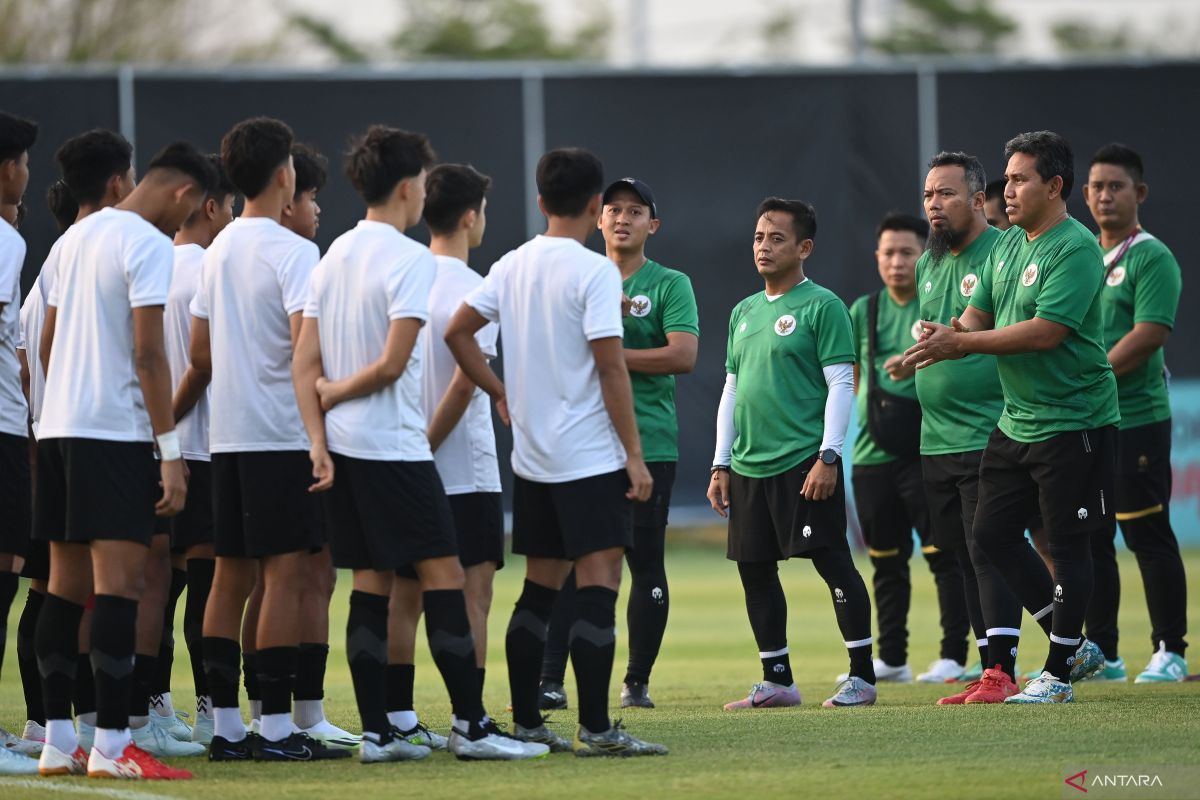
917,330
999,266
640,306
967,287
1116,277
1029,275
742,328
928,286
785,325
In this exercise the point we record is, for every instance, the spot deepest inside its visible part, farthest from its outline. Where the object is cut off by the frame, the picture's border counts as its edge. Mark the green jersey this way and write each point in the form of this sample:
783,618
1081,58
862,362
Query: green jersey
961,400
897,329
663,302
778,350
1143,287
1056,277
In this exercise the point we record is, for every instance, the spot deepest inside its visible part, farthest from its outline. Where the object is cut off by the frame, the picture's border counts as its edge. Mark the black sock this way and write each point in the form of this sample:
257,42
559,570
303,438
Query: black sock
1105,603
649,603
31,681
145,667
250,675
276,675
1002,651
524,646
448,629
199,584
851,605
1001,611
971,598
400,678
310,671
366,650
161,684
222,658
482,675
9,581
766,606
953,615
593,645
558,633
84,695
114,630
1018,566
57,646
1073,578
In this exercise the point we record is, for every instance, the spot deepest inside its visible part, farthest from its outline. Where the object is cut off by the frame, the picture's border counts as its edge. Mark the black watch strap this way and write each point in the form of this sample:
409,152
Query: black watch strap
718,468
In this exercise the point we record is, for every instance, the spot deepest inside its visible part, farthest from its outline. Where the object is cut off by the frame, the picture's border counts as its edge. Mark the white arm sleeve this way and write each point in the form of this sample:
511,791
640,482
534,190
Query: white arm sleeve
726,432
840,380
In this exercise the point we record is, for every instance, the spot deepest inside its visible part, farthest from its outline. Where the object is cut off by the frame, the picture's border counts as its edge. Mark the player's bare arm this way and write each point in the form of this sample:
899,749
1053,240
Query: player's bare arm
154,374
379,374
677,357
1133,349
307,371
618,400
460,338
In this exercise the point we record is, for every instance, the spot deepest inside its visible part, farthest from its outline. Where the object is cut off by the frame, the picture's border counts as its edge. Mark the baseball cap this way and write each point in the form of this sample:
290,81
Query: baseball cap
637,187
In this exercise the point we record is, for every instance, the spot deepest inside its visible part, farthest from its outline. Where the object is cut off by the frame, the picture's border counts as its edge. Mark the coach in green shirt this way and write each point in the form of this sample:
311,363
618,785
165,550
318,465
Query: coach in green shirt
889,494
1140,295
777,471
1038,308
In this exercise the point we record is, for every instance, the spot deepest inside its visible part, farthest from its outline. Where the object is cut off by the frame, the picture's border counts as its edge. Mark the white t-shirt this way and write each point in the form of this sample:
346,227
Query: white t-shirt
466,460
33,315
552,297
177,333
371,275
14,414
255,276
110,263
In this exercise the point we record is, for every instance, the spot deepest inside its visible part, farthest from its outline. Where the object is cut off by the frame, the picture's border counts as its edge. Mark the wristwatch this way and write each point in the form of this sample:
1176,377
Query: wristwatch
829,456
718,468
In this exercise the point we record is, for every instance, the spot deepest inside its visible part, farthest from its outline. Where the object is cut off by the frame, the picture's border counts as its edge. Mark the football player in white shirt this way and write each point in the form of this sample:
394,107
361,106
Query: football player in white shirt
246,317
99,488
577,455
358,383
97,169
17,135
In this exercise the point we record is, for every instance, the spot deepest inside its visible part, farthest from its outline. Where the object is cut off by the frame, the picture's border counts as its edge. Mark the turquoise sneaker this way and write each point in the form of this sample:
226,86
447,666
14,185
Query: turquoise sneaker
973,674
1044,689
1089,659
1112,671
1164,667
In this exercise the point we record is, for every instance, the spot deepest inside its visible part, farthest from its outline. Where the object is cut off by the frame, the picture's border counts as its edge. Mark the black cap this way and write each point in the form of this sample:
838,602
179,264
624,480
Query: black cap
637,187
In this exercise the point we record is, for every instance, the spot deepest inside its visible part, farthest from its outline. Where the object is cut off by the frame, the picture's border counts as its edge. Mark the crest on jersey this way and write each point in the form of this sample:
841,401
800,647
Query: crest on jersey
640,306
742,328
1029,275
785,325
999,266
967,287
928,286
917,330
1116,277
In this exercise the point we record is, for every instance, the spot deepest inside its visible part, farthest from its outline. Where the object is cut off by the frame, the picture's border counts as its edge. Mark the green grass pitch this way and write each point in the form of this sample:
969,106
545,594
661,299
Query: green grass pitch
904,747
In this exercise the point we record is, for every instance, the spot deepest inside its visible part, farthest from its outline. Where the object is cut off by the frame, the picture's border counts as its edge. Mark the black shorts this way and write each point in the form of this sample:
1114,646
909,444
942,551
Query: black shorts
571,519
384,515
1070,476
194,525
262,506
951,492
15,494
93,489
1143,486
479,525
769,520
654,512
890,501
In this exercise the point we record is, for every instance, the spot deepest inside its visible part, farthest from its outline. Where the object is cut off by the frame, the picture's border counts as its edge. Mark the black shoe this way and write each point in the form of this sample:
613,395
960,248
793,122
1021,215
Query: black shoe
221,749
552,697
297,747
636,695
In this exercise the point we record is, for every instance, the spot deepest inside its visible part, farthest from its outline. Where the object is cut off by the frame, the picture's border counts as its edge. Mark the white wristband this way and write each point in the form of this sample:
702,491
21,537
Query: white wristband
168,446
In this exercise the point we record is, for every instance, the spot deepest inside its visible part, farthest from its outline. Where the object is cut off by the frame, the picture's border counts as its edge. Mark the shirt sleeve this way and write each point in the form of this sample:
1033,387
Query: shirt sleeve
149,262
679,311
834,333
730,359
312,308
858,321
409,287
602,302
1070,286
1156,289
199,305
295,274
485,298
12,258
487,337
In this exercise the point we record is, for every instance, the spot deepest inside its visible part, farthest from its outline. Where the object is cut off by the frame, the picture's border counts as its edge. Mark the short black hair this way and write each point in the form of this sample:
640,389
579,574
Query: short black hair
17,135
804,216
567,179
383,157
899,221
1122,156
61,202
452,190
1052,155
995,190
88,161
222,185
310,168
971,166
252,151
185,158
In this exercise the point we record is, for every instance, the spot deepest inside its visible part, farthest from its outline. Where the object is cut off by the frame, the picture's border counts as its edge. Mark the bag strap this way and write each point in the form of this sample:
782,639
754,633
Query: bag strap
872,334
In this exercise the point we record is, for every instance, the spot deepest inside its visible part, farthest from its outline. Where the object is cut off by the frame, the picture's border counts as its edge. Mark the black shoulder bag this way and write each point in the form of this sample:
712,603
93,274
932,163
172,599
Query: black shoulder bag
894,422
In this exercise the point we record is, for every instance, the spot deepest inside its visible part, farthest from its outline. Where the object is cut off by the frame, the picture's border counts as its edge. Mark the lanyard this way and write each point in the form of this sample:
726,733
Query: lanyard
1125,245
